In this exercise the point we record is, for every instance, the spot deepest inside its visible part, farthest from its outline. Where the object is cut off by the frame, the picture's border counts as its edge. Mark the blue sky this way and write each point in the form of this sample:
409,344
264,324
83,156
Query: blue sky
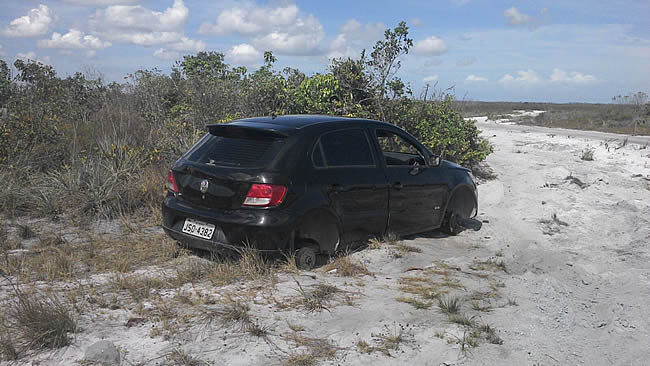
517,50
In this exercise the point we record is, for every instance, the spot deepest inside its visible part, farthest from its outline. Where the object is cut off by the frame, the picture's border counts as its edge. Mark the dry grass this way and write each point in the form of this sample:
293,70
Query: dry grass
231,313
391,241
441,268
254,265
450,304
256,329
314,349
107,255
346,267
490,334
139,287
491,264
318,297
388,239
422,286
375,243
481,306
418,304
33,322
403,248
386,341
41,264
364,347
6,242
178,357
55,259
462,319
587,154
25,232
290,265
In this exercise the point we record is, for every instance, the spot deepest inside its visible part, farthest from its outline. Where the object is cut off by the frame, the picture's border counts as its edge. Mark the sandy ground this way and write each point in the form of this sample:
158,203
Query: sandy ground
560,269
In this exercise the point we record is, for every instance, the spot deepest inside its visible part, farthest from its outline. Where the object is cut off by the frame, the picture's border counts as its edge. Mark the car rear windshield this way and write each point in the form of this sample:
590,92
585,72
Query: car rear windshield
240,151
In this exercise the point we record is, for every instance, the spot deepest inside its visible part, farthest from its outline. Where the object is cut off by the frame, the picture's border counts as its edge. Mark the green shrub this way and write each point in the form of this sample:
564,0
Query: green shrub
443,130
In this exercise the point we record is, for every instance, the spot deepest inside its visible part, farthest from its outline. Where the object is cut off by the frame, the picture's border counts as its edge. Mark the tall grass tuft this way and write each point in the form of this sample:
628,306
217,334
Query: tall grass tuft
33,322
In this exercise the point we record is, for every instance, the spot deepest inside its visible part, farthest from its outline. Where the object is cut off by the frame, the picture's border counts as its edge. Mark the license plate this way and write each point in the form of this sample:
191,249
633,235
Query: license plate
198,228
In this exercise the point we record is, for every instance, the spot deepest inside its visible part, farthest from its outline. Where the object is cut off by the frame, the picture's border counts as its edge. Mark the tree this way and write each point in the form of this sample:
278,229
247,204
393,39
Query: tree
5,83
384,59
354,81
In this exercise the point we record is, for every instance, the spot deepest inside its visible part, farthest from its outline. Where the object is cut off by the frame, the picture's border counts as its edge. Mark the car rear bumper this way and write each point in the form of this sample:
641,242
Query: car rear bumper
263,230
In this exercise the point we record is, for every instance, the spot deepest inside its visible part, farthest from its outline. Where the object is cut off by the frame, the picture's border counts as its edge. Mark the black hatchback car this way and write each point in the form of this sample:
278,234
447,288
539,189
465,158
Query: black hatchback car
310,185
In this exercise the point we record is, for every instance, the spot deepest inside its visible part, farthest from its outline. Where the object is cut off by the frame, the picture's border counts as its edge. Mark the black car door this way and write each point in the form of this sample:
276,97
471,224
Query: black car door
354,181
417,192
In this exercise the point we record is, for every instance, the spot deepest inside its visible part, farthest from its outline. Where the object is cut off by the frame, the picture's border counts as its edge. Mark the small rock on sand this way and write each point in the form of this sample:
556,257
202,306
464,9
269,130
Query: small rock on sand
103,352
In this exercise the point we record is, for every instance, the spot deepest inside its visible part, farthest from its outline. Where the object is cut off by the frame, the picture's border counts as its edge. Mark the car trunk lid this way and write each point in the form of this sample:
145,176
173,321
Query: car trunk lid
220,169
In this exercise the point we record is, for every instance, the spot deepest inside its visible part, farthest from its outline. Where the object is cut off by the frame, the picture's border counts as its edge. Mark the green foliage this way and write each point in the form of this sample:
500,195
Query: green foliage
443,130
319,94
5,83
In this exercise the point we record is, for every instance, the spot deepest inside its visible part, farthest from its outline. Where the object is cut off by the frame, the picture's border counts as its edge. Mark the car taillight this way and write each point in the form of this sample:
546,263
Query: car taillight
265,195
171,182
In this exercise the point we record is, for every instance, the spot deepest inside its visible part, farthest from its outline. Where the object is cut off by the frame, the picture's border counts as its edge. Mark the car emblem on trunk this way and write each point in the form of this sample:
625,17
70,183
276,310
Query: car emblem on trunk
204,186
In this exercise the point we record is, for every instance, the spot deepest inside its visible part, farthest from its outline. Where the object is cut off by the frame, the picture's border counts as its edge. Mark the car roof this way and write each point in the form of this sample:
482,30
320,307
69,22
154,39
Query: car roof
290,124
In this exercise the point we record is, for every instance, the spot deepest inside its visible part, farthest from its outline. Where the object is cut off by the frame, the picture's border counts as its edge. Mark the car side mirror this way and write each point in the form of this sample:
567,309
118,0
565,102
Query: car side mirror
435,160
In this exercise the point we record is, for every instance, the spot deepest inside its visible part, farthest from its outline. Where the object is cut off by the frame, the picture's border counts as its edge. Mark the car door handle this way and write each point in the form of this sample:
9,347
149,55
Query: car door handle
398,185
336,187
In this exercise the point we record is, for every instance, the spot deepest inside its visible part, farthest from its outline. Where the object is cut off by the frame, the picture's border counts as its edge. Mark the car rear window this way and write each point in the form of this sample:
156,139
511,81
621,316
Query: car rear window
237,151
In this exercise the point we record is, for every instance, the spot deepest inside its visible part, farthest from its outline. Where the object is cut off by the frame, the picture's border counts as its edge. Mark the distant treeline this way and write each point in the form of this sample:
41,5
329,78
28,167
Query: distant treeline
628,114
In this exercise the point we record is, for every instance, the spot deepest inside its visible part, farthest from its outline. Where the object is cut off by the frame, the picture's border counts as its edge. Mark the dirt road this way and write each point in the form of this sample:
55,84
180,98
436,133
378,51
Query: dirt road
576,235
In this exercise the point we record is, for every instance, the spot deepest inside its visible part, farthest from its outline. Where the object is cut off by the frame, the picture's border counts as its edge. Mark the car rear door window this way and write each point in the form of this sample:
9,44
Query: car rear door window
346,148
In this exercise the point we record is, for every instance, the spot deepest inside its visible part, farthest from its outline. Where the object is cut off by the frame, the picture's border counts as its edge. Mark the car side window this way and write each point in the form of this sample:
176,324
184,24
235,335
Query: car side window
344,148
397,150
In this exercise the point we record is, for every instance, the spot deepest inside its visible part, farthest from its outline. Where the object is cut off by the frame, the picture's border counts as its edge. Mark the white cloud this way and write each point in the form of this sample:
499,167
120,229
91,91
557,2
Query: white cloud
430,46
415,22
302,38
188,45
37,22
431,79
244,54
561,76
74,39
138,25
471,78
353,37
523,77
251,20
165,54
173,50
515,17
100,2
31,56
281,29
460,2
